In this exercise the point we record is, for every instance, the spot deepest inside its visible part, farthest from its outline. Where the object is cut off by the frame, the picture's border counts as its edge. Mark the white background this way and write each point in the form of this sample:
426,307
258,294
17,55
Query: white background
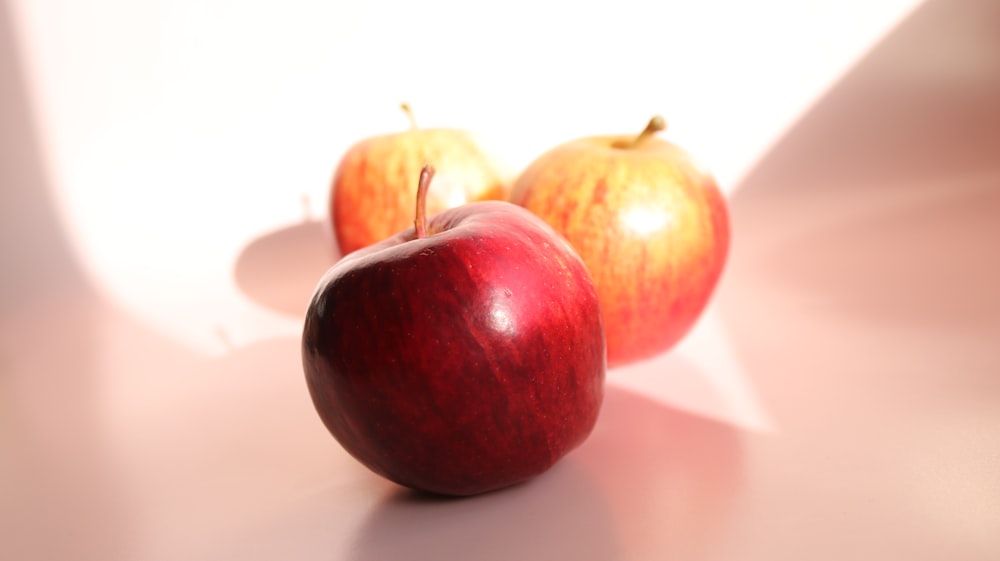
175,132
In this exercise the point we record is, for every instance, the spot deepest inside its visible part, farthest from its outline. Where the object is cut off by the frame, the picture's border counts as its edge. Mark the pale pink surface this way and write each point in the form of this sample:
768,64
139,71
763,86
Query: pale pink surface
841,402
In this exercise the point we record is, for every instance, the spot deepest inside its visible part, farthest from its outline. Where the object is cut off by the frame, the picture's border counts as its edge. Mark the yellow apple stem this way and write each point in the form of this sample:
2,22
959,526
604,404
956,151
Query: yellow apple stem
409,114
420,223
655,125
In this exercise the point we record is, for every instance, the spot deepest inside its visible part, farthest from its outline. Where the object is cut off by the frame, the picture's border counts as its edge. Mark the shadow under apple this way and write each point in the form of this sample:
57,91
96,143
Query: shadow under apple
558,515
923,263
861,292
881,201
651,482
280,269
670,477
873,217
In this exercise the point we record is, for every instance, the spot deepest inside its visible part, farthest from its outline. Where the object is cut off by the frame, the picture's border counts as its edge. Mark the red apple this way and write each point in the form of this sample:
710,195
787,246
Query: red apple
462,355
372,190
651,225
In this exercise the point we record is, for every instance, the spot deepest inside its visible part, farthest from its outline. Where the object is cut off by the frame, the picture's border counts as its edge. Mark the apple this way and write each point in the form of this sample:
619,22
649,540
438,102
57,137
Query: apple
462,355
372,190
650,224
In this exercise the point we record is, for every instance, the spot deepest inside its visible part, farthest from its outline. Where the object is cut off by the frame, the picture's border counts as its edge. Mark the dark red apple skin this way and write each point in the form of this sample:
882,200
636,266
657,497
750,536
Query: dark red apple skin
462,362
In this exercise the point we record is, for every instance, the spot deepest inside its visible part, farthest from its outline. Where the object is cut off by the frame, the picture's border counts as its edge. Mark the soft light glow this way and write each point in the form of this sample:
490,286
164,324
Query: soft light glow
644,220
500,317
456,198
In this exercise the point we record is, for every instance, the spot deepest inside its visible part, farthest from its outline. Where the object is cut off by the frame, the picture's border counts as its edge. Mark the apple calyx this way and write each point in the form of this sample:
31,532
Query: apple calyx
420,221
409,115
655,125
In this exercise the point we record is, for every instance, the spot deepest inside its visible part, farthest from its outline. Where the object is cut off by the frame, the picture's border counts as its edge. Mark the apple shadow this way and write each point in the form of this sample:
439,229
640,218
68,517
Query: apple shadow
557,515
918,264
671,477
870,226
881,202
649,479
280,269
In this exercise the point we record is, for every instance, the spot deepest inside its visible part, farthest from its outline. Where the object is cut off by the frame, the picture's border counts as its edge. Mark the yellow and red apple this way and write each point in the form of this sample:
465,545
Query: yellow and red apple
650,224
373,190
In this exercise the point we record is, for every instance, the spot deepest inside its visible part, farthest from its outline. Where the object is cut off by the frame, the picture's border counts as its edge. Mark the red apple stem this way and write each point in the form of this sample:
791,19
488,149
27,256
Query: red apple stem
655,125
420,222
409,115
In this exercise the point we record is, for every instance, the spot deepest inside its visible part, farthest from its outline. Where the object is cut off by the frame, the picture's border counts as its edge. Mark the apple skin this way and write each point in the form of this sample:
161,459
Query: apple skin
372,190
461,362
651,226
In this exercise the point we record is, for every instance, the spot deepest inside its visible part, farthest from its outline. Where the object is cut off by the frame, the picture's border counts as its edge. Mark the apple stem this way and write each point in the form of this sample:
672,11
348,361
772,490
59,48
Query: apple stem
409,114
655,125
420,222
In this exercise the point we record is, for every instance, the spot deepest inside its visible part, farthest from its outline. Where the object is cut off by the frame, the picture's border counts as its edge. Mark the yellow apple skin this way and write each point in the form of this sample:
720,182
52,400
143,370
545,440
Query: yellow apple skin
651,226
375,183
